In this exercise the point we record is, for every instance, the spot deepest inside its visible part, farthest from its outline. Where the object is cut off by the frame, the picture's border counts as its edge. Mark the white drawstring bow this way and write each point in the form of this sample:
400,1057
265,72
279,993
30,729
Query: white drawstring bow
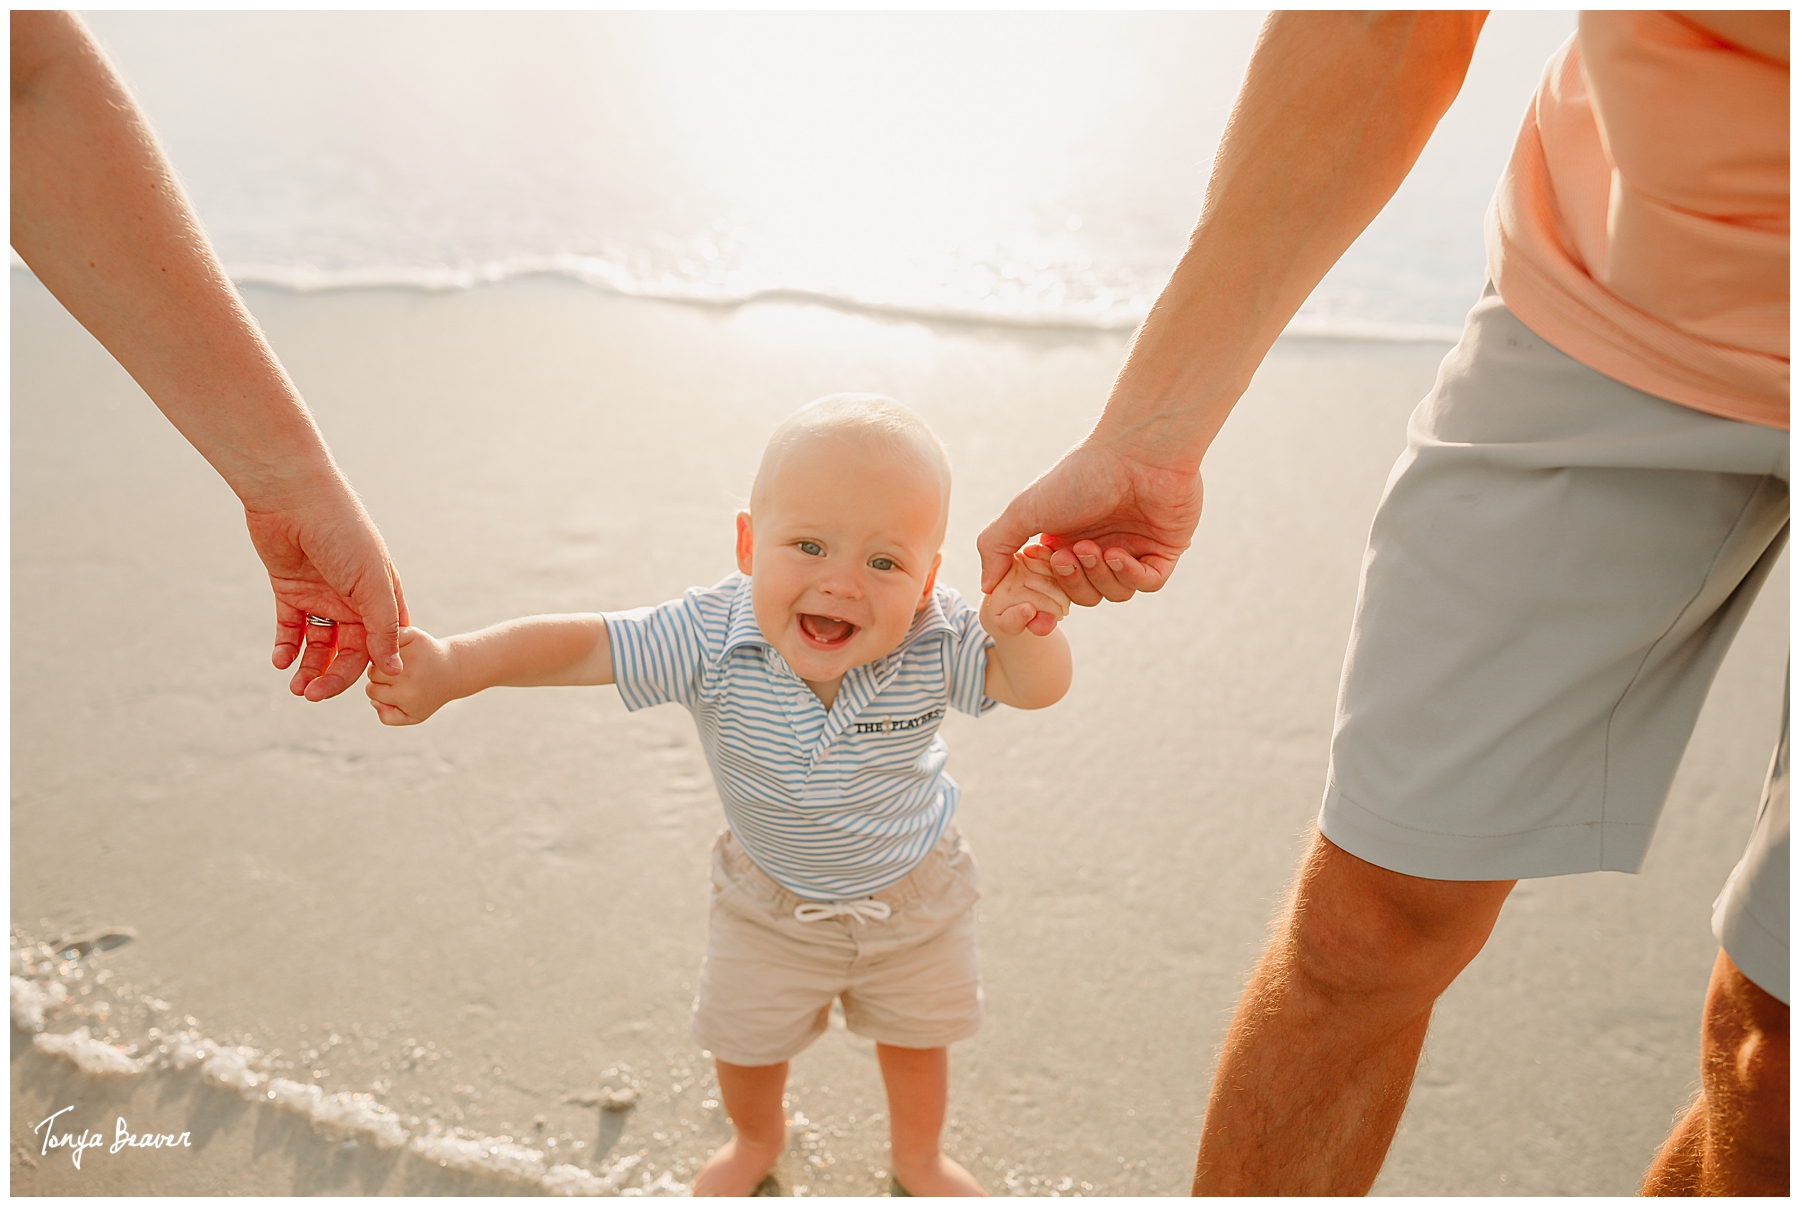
866,910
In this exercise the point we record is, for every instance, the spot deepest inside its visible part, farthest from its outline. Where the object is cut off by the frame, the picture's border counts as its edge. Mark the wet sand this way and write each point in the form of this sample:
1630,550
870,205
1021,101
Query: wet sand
503,910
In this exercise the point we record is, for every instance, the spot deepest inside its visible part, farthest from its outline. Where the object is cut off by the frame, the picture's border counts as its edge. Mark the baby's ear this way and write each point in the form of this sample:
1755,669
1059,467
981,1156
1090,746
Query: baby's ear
930,582
745,543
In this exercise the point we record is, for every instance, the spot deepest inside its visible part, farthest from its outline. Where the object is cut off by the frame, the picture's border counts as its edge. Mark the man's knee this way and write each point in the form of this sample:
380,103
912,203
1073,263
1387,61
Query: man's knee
1357,929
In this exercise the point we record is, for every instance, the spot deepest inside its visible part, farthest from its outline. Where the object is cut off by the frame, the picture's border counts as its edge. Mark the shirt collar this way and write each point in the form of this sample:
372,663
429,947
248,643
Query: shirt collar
741,630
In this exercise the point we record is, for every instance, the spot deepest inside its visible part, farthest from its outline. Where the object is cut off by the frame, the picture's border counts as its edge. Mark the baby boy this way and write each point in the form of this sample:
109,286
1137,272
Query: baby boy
818,677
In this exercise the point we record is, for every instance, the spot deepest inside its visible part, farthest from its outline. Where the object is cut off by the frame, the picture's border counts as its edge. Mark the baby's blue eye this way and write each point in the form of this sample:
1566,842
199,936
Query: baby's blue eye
884,563
811,548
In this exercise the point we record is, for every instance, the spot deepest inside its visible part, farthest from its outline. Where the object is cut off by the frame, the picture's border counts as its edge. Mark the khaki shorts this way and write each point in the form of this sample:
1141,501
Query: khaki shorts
910,980
1553,576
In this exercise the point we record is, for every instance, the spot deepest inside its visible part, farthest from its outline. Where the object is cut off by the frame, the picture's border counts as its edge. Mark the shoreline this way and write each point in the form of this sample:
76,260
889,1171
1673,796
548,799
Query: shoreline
518,887
610,281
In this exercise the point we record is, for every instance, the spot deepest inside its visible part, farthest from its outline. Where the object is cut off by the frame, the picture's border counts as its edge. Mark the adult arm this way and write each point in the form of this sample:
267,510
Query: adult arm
1332,114
100,217
1762,31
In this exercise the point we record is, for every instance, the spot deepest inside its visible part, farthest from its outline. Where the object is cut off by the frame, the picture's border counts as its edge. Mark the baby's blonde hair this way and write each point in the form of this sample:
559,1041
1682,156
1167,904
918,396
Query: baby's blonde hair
861,417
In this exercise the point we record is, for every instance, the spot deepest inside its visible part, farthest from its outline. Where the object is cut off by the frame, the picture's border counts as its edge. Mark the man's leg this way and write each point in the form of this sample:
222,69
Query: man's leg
1734,1138
1320,1056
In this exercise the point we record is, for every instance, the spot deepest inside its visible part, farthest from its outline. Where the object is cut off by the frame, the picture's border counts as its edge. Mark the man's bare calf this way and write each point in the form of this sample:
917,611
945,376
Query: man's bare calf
1733,1139
1320,1057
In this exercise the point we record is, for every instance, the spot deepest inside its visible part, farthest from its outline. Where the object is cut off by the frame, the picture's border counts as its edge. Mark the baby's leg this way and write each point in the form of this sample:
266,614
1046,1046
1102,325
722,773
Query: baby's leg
752,1098
918,1084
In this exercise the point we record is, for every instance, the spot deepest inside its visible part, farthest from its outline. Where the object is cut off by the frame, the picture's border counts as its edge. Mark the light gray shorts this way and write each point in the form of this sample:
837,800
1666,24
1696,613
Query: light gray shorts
911,979
1750,916
1553,576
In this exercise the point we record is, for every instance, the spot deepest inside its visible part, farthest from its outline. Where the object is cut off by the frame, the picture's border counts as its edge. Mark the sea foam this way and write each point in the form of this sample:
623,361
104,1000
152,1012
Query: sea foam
1045,310
1046,314
30,1000
38,1003
89,1054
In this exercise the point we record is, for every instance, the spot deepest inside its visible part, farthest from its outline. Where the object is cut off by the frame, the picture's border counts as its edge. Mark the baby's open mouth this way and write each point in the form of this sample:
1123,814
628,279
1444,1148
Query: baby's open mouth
826,630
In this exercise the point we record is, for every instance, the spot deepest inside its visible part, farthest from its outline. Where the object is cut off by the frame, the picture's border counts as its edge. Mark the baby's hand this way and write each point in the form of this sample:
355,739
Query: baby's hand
1029,591
426,685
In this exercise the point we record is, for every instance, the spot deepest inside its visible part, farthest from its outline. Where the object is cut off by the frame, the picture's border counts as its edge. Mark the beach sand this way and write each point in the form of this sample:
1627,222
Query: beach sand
505,908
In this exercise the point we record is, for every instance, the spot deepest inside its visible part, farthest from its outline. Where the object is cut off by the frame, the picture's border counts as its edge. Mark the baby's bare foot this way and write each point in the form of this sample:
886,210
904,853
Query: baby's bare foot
736,1168
933,1177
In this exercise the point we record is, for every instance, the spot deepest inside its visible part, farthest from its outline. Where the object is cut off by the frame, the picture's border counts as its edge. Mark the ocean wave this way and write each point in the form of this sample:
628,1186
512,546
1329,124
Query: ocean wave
1094,317
40,1002
611,277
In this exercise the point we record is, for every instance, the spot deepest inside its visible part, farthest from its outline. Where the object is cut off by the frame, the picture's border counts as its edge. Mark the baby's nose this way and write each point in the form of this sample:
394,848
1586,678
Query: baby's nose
841,580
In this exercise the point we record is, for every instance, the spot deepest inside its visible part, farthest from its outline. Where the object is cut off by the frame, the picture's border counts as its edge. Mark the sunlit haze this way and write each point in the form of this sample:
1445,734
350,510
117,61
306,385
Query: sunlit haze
1041,168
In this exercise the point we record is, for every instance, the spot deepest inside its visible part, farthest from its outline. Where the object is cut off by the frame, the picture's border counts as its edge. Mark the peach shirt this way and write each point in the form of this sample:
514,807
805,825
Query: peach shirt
1642,224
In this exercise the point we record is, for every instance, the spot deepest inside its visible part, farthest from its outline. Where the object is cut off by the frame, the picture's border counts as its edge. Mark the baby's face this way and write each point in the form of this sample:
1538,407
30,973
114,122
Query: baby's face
842,554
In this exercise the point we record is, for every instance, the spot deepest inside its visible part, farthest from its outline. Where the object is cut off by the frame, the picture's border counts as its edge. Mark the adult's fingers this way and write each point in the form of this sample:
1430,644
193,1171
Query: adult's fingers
1076,581
1001,539
382,606
290,634
344,671
1087,574
1148,573
1099,574
350,657
321,647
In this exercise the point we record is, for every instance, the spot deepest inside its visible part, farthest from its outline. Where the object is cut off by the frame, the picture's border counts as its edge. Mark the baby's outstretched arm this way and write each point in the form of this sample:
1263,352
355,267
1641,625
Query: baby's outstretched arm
1024,669
537,651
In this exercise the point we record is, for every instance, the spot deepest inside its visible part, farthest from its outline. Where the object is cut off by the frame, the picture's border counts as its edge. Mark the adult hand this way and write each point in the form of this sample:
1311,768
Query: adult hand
326,559
100,216
1115,525
1335,108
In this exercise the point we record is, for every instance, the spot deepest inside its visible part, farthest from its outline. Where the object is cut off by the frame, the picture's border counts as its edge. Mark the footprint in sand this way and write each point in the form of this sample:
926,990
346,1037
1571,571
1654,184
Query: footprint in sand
606,1100
103,938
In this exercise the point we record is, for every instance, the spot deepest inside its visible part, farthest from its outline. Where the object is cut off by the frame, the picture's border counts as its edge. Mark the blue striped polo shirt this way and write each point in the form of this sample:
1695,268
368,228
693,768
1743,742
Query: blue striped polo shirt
832,805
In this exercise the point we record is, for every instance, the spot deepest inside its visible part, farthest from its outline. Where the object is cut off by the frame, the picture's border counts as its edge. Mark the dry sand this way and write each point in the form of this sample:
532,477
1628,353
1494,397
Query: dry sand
506,906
